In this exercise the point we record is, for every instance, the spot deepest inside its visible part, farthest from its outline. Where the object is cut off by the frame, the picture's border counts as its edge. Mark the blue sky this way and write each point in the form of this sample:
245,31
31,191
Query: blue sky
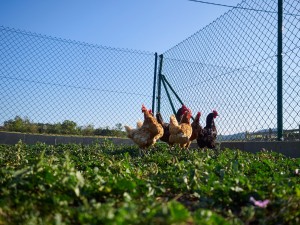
148,25
50,79
38,86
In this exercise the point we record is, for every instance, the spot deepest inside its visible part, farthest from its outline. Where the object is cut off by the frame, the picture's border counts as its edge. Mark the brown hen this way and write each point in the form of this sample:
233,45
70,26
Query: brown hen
197,128
180,133
147,133
166,126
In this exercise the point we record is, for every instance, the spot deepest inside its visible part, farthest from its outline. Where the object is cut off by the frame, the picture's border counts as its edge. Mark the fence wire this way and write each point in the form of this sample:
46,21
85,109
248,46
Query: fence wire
50,80
231,66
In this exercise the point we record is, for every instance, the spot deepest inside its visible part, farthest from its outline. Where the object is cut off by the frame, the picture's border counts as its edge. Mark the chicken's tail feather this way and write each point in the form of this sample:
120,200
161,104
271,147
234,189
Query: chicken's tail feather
139,124
173,120
128,130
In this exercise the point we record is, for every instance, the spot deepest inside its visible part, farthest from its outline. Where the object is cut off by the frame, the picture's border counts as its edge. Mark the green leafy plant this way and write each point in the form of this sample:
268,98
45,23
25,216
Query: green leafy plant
105,183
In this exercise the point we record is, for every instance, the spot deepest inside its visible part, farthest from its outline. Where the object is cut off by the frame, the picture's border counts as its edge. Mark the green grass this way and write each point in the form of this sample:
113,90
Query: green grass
108,184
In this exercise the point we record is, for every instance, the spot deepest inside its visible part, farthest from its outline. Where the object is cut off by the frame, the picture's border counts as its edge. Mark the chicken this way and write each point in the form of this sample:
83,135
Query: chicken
180,112
197,128
207,137
180,133
165,137
147,133
139,123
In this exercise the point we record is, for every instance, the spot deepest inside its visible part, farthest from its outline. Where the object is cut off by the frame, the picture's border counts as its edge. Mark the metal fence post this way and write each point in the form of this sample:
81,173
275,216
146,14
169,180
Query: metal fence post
174,92
279,73
154,82
168,94
159,81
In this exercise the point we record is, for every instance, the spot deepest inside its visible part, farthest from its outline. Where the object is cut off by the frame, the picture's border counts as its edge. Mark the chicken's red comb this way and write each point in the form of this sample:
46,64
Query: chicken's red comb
215,112
198,114
144,108
189,110
184,108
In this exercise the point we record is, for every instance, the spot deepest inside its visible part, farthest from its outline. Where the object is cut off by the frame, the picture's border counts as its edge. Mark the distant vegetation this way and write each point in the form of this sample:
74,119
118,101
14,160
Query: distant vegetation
67,127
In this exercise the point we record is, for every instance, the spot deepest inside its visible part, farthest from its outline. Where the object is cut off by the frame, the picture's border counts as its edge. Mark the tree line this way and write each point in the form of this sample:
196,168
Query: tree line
67,127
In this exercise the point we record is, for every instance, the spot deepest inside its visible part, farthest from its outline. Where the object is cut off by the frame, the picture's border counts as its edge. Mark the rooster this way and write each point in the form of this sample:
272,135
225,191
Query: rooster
166,126
147,133
207,137
180,133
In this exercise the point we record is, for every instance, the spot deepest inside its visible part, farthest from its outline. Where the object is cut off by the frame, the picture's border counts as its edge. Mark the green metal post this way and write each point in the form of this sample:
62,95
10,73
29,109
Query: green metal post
159,82
154,83
279,73
169,97
181,102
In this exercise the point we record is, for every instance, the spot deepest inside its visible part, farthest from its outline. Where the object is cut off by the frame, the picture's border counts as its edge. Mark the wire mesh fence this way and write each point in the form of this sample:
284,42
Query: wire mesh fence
48,81
231,66
64,86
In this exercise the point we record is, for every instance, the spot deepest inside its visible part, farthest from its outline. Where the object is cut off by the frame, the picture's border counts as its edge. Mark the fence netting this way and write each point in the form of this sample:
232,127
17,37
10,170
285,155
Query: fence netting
49,80
231,66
